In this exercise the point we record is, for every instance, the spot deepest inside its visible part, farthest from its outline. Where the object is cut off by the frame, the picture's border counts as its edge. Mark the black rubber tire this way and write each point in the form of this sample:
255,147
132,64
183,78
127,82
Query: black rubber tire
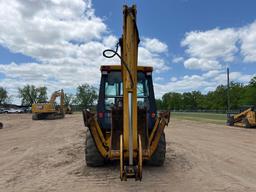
158,157
93,157
1,125
230,121
246,123
34,117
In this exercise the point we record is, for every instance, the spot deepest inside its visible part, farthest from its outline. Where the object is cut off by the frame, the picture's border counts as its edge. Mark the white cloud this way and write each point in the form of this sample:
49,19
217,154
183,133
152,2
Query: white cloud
66,40
212,44
148,58
43,29
158,78
110,41
174,79
211,51
154,45
177,59
185,83
248,45
205,82
234,76
220,47
152,52
202,64
212,73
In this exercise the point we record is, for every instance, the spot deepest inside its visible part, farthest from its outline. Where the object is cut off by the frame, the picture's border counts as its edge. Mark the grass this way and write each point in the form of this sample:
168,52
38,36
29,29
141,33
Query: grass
203,117
216,118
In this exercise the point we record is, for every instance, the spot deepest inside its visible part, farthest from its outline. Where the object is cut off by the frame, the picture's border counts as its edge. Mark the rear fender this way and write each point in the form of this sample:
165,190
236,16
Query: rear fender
91,122
161,122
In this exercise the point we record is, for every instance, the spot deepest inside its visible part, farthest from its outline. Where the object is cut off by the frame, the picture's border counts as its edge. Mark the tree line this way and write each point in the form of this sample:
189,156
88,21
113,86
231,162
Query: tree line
85,96
240,95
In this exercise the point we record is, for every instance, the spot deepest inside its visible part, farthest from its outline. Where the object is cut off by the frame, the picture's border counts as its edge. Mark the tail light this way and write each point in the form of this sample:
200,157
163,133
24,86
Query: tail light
100,114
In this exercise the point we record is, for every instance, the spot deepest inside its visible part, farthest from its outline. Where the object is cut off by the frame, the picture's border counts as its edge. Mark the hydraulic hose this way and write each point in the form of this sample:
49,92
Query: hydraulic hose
115,53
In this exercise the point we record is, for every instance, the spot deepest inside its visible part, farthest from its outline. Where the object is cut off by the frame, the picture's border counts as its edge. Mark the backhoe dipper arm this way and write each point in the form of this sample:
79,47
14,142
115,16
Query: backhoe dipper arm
129,53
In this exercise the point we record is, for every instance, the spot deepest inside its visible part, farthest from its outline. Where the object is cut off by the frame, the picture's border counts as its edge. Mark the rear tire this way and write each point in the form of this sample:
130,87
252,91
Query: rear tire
158,157
246,123
93,157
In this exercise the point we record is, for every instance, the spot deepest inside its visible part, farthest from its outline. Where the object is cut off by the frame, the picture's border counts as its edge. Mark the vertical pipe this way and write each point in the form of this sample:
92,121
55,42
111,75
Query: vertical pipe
228,94
130,129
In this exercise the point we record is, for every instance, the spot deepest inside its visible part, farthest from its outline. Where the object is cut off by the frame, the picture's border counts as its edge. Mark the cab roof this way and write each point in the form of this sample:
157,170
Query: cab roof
118,68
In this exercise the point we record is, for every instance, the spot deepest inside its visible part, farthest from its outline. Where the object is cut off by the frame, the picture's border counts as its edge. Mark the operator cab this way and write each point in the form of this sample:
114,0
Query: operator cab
111,95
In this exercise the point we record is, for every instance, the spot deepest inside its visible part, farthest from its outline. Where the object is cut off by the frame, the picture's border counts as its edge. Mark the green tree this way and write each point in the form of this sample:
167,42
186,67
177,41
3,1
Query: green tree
29,94
41,94
253,82
85,95
200,100
159,104
69,99
3,95
165,101
172,101
189,101
237,94
214,100
217,99
250,93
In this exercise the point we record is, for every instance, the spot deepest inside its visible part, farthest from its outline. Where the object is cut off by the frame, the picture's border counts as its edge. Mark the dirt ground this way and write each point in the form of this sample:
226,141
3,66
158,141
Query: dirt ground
49,156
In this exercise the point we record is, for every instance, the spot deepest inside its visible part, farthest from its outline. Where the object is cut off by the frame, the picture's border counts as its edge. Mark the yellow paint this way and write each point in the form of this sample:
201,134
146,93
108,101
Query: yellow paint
49,107
129,53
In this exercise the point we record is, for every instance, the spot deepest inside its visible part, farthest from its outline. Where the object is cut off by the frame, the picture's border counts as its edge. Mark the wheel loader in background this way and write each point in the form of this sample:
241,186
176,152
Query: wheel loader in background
246,118
49,110
126,126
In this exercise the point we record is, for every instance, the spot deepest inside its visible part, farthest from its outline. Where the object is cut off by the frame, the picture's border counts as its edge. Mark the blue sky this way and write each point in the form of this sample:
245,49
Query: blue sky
188,42
169,21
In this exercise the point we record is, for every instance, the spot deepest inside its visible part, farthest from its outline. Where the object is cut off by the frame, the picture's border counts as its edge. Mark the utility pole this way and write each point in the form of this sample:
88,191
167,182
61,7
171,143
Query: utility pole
228,94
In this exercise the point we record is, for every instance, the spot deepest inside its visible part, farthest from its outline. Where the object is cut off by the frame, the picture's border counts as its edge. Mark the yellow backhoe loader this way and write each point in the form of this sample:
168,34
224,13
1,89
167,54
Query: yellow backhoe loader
49,110
126,126
246,118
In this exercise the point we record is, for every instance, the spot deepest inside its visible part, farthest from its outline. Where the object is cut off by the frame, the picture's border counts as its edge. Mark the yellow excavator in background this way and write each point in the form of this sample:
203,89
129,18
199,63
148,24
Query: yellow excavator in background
49,110
126,126
246,118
